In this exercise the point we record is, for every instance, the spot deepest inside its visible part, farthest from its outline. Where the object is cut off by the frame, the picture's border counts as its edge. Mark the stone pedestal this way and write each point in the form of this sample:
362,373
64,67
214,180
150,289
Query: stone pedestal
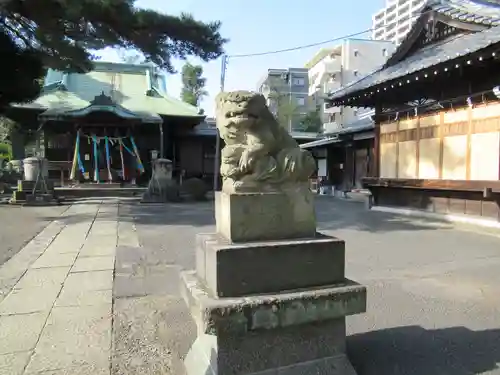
265,216
35,188
269,293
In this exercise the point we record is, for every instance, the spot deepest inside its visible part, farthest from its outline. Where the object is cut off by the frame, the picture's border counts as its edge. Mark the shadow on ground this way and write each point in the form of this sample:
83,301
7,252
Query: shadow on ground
335,214
414,350
332,214
189,213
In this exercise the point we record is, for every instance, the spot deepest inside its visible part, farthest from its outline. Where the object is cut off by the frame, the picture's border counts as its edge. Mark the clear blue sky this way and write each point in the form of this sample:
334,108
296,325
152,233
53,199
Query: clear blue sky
262,25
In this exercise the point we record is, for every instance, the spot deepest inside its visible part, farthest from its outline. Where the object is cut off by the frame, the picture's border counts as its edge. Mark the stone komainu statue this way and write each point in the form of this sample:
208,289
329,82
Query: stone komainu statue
259,155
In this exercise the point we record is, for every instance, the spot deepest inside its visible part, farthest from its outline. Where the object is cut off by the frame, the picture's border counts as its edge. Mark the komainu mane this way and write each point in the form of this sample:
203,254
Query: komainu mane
259,155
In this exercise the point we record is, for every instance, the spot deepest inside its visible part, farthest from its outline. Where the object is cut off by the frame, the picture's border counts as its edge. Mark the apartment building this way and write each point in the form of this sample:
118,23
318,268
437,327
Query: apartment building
333,68
286,91
394,21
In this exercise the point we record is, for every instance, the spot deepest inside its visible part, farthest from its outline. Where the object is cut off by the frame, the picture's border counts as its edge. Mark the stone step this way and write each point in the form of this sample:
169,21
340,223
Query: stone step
98,192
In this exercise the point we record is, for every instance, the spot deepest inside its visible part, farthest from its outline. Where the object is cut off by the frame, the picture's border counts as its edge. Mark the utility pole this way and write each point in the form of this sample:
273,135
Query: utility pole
287,77
223,69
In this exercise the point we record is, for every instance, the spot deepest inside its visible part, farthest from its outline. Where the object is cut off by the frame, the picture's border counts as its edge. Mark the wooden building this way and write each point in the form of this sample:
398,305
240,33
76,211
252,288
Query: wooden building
437,119
116,109
345,156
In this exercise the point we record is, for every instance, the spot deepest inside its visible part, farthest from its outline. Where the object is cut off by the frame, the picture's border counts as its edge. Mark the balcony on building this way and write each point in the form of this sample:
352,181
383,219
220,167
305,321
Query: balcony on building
417,3
403,28
379,16
391,35
331,110
379,33
390,24
378,24
403,9
325,65
391,9
331,127
331,85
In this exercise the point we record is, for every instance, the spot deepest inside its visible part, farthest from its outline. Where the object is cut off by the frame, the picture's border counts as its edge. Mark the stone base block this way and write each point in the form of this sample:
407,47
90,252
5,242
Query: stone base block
265,216
234,270
18,196
275,354
27,186
41,200
296,333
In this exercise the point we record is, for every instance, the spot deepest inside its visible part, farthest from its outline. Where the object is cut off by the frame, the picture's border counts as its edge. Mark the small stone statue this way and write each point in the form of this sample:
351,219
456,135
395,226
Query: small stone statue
259,154
161,187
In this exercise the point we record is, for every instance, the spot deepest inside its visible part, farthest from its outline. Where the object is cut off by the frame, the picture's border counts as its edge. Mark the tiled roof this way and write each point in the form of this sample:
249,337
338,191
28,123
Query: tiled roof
357,126
125,83
486,12
427,57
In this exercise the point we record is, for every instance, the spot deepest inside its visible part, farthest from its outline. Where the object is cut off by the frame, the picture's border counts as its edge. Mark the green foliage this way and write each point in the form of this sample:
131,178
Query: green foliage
193,84
6,126
286,109
5,151
311,122
20,72
61,34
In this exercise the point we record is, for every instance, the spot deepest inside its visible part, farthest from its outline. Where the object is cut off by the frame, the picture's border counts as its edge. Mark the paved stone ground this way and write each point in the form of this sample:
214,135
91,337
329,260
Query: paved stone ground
18,225
433,303
57,318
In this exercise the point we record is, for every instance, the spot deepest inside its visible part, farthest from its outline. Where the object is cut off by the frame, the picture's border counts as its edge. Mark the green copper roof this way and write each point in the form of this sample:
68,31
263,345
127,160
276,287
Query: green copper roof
131,87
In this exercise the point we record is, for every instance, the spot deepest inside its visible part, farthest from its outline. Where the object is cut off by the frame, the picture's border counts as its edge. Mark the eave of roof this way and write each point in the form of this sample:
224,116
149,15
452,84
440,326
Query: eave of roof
478,12
320,142
358,126
485,12
471,12
426,58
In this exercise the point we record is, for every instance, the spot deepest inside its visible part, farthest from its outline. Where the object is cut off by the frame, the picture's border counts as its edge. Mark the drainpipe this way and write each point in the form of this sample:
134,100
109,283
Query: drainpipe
290,101
64,80
162,153
341,86
149,85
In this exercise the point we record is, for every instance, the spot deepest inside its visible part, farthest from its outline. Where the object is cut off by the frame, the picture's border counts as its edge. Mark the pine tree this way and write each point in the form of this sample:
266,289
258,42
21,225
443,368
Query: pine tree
62,34
193,84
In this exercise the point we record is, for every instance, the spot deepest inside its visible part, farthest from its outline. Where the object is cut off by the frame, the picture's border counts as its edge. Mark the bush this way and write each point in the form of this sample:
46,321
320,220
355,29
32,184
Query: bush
5,151
195,189
172,193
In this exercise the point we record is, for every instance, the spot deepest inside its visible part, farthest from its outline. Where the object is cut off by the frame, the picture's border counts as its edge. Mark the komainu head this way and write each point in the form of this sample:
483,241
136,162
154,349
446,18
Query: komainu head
238,111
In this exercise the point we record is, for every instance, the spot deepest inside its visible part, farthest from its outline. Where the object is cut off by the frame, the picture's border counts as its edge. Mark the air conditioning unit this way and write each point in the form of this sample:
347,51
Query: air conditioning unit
328,109
331,127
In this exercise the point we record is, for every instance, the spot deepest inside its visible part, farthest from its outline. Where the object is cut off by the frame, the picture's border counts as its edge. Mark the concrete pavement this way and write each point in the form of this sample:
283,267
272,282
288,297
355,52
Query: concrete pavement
96,292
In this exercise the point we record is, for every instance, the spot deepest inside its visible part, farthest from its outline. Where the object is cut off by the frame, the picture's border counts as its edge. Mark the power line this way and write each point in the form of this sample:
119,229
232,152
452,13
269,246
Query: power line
301,47
325,41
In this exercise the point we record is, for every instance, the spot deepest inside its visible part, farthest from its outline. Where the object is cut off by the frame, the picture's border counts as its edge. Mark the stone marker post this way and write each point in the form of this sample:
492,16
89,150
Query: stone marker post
269,293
